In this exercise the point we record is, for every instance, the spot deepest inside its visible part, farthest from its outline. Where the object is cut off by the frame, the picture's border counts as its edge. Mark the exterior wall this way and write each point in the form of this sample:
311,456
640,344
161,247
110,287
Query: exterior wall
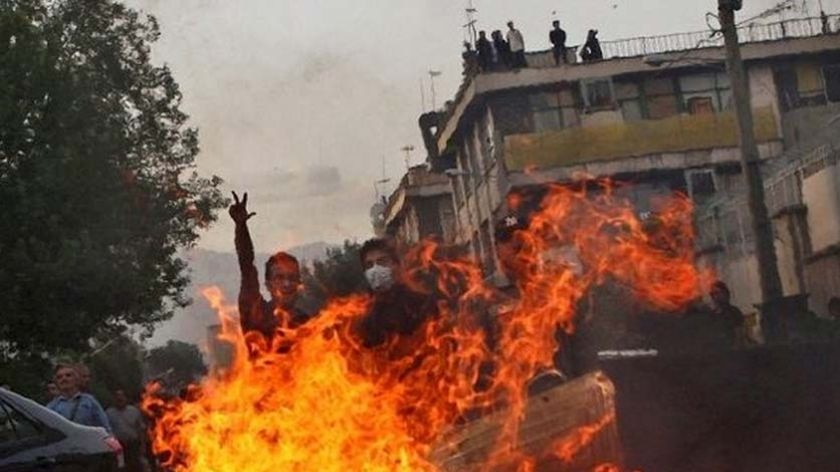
788,254
532,77
821,195
603,143
805,127
741,275
679,133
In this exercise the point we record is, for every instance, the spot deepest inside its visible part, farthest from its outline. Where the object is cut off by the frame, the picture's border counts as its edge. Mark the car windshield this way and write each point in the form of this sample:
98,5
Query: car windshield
14,426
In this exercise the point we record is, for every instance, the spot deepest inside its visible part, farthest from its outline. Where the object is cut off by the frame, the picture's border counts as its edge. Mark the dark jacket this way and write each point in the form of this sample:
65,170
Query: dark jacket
557,38
399,312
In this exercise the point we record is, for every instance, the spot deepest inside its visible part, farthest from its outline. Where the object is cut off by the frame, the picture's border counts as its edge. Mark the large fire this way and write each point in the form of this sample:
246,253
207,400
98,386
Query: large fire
328,404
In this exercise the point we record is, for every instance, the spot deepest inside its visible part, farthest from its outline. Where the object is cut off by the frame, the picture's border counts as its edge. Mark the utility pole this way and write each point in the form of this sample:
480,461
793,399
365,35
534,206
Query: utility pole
762,226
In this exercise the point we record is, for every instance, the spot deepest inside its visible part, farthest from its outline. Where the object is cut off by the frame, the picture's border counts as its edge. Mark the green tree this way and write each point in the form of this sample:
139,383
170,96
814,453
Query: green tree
177,363
116,364
97,176
339,274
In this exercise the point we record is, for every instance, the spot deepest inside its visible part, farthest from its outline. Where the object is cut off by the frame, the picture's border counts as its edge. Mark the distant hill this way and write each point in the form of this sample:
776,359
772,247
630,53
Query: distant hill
220,269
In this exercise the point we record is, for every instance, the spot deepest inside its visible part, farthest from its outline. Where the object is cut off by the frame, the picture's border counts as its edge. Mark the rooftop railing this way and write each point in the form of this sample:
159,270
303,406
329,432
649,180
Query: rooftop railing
749,33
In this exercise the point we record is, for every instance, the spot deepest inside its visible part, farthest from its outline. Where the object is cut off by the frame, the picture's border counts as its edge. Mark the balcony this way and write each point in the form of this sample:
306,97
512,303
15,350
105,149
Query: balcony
680,133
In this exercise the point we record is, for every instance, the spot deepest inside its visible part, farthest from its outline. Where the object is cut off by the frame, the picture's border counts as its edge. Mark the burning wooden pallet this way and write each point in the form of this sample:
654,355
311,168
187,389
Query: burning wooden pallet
571,427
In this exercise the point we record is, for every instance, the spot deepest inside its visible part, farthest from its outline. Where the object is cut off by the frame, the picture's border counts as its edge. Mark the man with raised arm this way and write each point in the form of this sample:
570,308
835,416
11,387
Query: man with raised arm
282,280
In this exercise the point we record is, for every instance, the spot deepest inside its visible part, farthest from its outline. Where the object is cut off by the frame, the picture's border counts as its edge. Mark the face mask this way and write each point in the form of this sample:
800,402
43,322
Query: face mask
379,278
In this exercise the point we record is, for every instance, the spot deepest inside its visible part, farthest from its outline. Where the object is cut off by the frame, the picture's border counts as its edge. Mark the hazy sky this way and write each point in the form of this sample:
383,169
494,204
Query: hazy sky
298,102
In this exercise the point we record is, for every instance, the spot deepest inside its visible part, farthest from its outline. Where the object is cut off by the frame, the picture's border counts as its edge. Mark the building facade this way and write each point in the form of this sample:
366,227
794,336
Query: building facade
657,112
420,207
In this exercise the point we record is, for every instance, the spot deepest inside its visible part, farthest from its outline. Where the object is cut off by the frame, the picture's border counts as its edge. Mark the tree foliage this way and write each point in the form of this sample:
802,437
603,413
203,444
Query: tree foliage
97,175
177,363
115,365
339,274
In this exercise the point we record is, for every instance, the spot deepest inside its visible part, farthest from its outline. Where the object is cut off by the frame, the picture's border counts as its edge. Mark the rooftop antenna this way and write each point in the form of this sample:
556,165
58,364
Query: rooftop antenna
378,185
422,96
407,150
470,11
432,75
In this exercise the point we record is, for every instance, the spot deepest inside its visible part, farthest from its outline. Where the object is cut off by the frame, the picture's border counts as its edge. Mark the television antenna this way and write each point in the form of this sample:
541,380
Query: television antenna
407,150
432,75
470,12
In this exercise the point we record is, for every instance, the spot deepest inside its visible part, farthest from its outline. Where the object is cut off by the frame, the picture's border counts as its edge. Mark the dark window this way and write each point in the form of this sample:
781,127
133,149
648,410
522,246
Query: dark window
546,111
832,82
629,100
702,184
787,85
598,94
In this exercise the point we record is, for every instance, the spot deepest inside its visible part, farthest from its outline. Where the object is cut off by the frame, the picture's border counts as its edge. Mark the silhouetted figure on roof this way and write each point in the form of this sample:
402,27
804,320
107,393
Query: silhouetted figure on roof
470,59
558,43
503,54
592,48
485,51
517,46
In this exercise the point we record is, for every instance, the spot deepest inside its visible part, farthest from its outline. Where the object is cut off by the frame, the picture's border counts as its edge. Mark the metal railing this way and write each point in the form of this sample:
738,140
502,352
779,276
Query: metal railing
784,189
724,222
749,33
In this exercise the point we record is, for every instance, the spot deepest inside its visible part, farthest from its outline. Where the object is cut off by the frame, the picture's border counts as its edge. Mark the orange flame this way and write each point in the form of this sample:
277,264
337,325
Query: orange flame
328,404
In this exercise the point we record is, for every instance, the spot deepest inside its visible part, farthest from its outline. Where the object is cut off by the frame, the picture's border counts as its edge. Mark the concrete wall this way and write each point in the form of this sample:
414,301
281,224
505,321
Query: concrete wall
807,127
789,253
821,194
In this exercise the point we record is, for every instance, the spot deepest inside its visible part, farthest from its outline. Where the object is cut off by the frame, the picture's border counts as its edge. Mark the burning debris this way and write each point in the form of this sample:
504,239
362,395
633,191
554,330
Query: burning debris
329,403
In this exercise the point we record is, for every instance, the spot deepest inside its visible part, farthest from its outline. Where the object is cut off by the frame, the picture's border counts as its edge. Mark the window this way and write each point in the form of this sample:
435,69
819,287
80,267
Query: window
700,106
832,82
14,426
701,184
546,111
788,87
472,153
706,93
660,98
598,94
485,138
462,182
629,100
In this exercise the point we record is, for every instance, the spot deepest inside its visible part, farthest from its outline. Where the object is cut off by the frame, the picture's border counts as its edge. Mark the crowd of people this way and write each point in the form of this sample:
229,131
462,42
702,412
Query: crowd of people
69,396
398,312
394,322
505,52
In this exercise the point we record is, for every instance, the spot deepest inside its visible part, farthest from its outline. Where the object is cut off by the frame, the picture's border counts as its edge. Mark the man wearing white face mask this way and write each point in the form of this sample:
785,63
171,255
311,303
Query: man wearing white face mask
397,312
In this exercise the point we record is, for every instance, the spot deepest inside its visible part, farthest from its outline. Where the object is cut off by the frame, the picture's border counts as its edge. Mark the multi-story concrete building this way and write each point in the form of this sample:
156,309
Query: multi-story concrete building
420,207
657,111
